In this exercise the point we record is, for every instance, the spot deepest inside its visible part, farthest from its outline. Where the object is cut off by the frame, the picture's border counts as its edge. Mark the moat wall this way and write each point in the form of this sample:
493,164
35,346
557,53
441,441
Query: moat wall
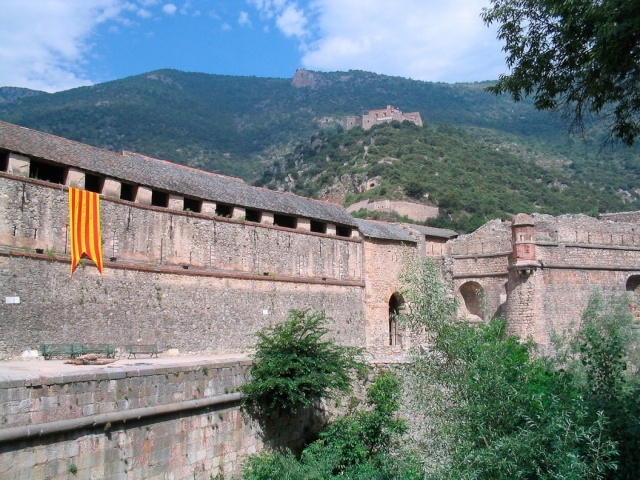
142,420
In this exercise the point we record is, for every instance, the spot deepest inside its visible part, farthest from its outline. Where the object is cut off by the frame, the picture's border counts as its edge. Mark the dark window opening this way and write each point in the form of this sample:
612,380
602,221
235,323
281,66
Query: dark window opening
192,205
343,231
318,227
4,161
47,172
223,210
253,216
128,192
396,303
285,221
159,199
93,183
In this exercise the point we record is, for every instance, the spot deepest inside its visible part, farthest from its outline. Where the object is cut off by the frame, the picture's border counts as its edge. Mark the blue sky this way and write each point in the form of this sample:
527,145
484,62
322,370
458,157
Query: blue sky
55,45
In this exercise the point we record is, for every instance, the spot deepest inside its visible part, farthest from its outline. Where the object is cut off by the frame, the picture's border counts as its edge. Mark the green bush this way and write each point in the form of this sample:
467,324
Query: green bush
295,365
362,445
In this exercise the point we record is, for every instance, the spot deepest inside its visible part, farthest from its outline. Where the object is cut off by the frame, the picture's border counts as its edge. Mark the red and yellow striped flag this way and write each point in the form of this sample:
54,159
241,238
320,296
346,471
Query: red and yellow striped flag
84,225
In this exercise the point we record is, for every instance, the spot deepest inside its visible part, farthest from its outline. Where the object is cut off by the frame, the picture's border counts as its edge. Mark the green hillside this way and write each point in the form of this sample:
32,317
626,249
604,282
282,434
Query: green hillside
243,126
468,174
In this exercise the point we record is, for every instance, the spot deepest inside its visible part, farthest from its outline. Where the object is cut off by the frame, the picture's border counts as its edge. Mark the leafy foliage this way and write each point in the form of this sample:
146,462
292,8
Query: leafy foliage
498,411
602,359
295,365
360,445
576,56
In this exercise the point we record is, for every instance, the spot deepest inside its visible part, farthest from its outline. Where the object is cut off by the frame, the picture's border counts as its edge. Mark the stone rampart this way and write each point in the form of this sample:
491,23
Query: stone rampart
178,280
173,310
36,216
178,419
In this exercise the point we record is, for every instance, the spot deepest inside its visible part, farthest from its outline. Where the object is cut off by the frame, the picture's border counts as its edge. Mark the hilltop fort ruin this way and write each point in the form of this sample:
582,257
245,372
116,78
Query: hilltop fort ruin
383,115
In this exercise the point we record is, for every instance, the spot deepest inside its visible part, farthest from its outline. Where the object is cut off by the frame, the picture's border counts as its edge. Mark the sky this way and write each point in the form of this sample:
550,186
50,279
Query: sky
55,45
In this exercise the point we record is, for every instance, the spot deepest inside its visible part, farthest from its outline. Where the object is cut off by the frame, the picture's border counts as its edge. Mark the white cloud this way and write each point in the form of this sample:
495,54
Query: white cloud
169,9
292,21
44,45
144,13
422,39
244,20
226,27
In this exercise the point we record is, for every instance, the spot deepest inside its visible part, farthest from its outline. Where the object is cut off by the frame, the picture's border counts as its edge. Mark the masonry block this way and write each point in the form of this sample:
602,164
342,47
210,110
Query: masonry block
19,165
239,213
112,188
75,178
304,224
176,202
143,195
267,218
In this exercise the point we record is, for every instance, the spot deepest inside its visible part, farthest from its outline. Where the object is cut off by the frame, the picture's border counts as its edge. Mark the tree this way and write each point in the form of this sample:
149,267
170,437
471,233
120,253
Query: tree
415,189
573,56
489,407
295,365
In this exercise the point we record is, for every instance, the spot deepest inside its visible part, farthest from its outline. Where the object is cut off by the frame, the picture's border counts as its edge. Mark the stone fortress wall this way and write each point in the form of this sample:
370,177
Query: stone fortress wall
180,280
199,262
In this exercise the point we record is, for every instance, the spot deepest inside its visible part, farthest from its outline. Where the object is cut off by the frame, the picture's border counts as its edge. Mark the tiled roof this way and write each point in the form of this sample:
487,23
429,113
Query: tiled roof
163,175
432,231
382,230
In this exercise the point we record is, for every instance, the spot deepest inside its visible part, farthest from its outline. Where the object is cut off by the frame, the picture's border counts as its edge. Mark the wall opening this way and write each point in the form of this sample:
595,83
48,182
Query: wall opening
223,210
159,199
47,172
253,215
285,221
192,205
472,294
128,192
396,304
93,183
318,227
343,231
4,161
633,287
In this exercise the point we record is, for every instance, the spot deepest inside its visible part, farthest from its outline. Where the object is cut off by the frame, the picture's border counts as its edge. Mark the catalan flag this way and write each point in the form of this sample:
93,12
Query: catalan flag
84,227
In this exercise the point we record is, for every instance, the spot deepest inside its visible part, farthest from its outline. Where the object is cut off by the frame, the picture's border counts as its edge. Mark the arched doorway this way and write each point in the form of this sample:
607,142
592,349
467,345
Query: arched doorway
472,294
396,303
633,287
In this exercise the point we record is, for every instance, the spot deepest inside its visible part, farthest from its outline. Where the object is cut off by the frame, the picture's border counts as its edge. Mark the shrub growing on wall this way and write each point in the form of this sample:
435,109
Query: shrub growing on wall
363,445
295,365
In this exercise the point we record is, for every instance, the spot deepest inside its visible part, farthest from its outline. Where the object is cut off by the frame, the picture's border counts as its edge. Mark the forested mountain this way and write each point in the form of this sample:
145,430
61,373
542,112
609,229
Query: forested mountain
243,126
469,176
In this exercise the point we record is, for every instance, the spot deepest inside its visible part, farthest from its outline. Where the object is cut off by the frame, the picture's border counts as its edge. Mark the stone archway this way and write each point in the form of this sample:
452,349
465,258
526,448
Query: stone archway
472,295
396,304
633,287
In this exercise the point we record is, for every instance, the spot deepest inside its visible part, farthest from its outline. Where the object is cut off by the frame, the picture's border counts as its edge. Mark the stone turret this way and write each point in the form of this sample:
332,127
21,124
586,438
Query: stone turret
523,239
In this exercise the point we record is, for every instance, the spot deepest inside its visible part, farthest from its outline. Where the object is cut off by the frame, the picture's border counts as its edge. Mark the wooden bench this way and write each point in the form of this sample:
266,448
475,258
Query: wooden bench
134,350
99,349
50,349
